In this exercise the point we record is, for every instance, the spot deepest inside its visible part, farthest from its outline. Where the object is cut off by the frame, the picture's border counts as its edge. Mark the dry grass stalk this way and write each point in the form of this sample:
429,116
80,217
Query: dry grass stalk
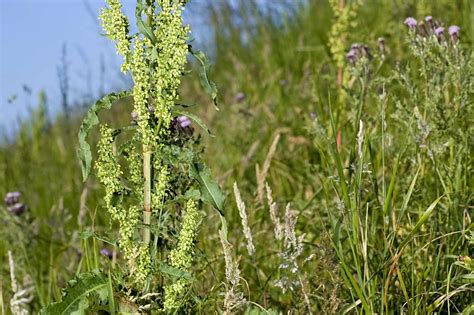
262,175
245,221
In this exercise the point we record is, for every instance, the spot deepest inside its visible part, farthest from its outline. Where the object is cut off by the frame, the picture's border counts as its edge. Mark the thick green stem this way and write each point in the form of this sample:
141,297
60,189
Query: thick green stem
146,195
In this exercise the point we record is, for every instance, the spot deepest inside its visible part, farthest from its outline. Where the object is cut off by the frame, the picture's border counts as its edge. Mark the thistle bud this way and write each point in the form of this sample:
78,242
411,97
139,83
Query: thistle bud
454,33
11,198
411,23
240,97
439,31
17,209
106,252
381,44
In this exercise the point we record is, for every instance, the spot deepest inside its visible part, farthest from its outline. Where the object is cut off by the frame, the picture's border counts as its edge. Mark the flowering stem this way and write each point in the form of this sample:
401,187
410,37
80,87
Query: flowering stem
146,195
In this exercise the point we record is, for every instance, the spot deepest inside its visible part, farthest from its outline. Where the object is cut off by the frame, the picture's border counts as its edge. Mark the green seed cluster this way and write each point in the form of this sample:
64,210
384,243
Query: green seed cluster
115,25
343,21
172,47
182,256
161,185
141,90
108,171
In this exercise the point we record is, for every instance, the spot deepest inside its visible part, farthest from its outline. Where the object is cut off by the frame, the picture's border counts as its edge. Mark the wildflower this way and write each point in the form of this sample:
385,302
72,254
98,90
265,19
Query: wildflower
381,44
12,198
283,82
352,56
454,33
151,109
106,252
240,97
439,31
411,23
183,121
17,209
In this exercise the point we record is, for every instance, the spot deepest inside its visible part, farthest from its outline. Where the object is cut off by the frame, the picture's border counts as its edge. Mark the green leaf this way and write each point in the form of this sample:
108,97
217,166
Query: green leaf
210,191
420,222
91,120
209,87
142,27
73,302
196,119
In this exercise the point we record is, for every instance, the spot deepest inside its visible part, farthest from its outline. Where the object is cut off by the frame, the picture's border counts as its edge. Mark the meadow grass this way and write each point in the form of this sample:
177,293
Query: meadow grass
352,182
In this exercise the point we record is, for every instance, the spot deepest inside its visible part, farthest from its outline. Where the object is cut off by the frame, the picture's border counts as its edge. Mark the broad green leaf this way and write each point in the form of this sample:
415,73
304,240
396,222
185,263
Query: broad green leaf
73,300
210,191
209,87
196,119
142,27
91,120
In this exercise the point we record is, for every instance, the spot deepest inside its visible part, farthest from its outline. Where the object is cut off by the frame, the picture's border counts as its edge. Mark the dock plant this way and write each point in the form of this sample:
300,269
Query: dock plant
154,180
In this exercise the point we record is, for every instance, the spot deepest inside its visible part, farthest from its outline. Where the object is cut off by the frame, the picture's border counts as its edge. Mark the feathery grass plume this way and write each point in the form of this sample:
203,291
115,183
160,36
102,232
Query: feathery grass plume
115,25
22,297
262,174
234,299
245,221
182,256
273,209
292,249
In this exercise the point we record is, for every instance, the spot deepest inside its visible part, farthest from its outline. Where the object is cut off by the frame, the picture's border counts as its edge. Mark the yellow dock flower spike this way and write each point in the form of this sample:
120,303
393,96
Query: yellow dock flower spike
115,25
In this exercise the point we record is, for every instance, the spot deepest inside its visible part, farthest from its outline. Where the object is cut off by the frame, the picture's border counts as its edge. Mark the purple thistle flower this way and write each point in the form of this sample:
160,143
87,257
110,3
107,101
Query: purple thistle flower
106,252
17,209
439,31
429,19
240,97
183,121
454,32
411,22
12,198
352,56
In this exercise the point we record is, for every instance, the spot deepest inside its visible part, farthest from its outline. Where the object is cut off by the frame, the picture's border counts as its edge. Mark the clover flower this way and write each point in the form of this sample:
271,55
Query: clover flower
411,23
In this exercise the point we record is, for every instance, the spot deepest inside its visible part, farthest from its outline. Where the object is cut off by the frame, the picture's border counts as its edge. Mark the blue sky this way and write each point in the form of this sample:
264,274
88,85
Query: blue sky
33,33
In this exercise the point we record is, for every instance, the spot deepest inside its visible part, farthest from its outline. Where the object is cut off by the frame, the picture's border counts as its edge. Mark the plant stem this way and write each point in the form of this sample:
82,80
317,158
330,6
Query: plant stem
146,195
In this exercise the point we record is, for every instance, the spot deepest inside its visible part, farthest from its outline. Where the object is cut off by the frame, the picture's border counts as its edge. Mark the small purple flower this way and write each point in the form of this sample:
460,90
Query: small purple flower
352,56
454,32
183,121
411,22
151,109
240,97
429,19
283,82
106,252
17,209
439,31
12,198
